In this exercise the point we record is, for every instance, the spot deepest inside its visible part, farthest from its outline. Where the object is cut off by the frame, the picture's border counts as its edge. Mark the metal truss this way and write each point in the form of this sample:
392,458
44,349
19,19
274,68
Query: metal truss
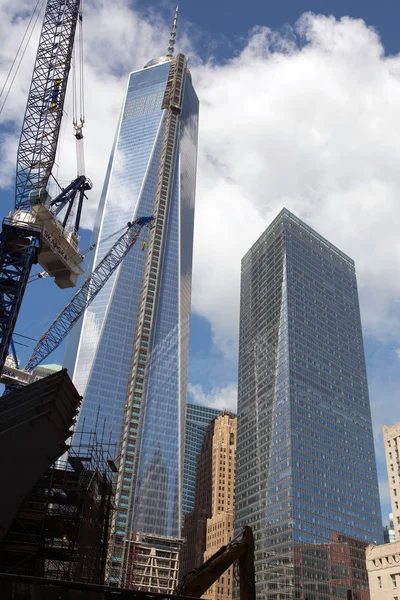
19,248
86,293
67,197
44,109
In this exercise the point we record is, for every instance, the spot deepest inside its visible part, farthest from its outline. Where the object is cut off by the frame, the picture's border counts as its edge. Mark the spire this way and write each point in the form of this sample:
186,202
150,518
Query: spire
171,46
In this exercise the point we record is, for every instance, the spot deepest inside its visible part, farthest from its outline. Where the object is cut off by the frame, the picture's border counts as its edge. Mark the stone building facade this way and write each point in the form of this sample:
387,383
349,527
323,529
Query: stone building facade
220,525
383,566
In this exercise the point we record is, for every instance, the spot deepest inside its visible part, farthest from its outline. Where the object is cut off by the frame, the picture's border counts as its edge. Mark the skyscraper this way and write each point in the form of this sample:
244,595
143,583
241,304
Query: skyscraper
198,419
130,357
306,467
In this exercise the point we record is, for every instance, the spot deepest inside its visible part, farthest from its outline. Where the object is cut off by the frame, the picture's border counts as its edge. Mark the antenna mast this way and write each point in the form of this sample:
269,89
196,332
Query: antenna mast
171,46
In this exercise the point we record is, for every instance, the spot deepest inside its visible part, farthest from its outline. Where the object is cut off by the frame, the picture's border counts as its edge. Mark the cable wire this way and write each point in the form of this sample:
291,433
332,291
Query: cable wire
23,53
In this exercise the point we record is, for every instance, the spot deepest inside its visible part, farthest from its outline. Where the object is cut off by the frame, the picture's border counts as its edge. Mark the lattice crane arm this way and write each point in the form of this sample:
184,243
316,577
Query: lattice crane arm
45,106
86,293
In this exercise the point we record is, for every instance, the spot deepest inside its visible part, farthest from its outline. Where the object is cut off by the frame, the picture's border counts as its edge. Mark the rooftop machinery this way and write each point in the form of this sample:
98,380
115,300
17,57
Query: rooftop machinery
33,234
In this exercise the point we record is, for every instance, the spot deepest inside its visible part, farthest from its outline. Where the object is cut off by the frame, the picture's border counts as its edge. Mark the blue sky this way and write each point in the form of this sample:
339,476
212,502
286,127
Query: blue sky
294,113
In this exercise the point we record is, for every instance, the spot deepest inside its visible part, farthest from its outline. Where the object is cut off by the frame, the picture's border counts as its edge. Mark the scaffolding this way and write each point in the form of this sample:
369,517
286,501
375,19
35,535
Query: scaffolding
154,564
62,530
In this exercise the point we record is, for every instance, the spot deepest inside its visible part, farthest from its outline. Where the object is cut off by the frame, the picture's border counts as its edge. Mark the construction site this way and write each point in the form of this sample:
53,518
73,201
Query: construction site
61,493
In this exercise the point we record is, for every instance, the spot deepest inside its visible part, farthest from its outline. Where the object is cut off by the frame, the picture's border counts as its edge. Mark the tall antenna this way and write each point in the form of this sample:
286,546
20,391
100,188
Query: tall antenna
171,46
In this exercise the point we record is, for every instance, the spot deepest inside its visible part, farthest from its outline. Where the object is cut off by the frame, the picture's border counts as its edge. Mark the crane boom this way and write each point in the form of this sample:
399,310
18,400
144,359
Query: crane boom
241,549
44,109
86,293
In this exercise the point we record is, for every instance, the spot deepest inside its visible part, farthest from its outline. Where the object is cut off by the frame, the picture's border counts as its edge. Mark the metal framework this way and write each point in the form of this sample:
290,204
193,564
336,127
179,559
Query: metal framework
154,564
61,531
67,197
86,293
19,248
44,109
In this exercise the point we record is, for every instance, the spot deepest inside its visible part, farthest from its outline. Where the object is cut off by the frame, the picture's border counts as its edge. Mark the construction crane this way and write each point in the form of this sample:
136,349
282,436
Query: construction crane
80,301
241,549
32,234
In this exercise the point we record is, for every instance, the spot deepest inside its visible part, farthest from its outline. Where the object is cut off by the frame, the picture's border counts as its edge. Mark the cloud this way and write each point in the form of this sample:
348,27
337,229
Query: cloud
117,40
307,121
224,398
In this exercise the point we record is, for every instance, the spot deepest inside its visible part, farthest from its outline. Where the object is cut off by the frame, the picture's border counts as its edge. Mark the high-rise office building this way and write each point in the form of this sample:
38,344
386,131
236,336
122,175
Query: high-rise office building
306,466
130,357
198,418
391,439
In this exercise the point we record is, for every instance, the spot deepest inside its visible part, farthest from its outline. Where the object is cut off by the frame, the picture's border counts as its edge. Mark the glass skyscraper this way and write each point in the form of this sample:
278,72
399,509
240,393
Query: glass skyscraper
130,357
306,473
198,419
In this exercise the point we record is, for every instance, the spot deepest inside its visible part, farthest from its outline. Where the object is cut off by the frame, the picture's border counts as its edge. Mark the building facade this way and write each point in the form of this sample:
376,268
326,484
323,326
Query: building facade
198,418
130,357
220,525
391,439
195,522
306,462
383,565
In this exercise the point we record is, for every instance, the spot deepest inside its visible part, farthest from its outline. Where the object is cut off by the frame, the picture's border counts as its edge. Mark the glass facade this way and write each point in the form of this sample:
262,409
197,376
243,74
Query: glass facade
306,472
198,419
145,420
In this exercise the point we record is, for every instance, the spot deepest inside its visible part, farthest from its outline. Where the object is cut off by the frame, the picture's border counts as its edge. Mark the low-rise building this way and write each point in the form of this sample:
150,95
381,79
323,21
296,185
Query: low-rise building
383,566
391,438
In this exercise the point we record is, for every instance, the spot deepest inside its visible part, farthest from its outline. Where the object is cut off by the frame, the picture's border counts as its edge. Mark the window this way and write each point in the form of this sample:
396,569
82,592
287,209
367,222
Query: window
379,581
394,582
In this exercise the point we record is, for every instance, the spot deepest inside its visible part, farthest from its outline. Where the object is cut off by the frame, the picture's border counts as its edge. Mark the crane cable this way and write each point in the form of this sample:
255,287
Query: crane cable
41,2
78,111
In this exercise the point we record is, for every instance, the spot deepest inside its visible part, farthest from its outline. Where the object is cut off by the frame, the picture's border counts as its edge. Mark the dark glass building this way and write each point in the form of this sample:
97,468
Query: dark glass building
198,419
130,357
306,471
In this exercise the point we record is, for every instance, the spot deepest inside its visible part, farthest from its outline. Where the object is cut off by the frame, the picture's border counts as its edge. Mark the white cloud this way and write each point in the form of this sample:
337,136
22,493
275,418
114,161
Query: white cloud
308,120
224,398
312,127
397,350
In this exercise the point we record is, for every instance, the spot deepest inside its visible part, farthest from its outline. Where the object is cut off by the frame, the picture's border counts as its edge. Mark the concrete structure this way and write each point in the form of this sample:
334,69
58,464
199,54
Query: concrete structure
153,564
198,418
306,467
36,422
129,359
220,525
391,439
383,566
